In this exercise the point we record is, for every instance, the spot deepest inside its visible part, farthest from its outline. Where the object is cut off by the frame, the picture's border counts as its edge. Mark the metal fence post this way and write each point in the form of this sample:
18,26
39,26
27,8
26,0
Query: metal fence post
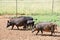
16,8
52,6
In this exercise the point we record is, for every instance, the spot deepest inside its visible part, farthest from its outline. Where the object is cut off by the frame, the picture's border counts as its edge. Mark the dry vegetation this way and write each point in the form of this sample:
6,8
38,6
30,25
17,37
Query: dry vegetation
29,6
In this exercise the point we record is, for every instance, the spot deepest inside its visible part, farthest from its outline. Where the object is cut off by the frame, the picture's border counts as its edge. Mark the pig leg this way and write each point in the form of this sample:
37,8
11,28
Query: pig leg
18,27
37,32
52,30
12,27
33,30
24,27
41,32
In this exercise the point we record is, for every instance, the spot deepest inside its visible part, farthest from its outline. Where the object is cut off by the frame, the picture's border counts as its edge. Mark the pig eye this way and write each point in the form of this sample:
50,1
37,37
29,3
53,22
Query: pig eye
8,21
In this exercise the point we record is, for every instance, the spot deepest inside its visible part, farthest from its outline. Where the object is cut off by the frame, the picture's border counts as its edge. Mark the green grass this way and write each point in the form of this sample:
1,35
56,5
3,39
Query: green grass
47,18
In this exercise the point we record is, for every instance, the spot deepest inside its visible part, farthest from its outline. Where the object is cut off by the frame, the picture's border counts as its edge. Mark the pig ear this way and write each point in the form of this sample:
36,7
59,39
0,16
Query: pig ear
8,21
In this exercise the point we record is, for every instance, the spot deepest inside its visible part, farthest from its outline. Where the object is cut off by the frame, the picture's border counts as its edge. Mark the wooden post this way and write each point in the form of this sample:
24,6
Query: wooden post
52,6
16,8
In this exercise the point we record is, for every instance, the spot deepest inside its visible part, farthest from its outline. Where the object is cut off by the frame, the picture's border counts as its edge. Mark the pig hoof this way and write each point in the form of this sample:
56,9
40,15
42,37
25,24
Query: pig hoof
11,29
36,34
51,35
18,29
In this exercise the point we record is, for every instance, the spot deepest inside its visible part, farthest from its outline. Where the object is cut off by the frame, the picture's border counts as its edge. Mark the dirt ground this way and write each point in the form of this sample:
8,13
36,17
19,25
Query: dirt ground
7,34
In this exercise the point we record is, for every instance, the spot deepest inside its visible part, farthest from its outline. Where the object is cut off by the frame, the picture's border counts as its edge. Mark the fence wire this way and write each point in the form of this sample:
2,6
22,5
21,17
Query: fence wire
27,7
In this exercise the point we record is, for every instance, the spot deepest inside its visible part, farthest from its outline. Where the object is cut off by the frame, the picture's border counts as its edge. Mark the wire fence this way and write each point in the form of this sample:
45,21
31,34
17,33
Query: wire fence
25,7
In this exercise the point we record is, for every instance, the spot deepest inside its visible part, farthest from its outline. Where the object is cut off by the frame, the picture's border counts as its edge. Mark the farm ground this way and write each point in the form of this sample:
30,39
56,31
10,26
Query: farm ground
7,34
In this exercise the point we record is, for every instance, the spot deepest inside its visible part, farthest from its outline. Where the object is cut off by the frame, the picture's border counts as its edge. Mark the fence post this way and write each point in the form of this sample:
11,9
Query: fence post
52,6
16,8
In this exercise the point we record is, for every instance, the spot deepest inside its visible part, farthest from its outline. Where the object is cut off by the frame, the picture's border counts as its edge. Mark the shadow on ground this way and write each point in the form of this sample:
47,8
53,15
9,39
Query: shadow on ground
21,29
55,35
